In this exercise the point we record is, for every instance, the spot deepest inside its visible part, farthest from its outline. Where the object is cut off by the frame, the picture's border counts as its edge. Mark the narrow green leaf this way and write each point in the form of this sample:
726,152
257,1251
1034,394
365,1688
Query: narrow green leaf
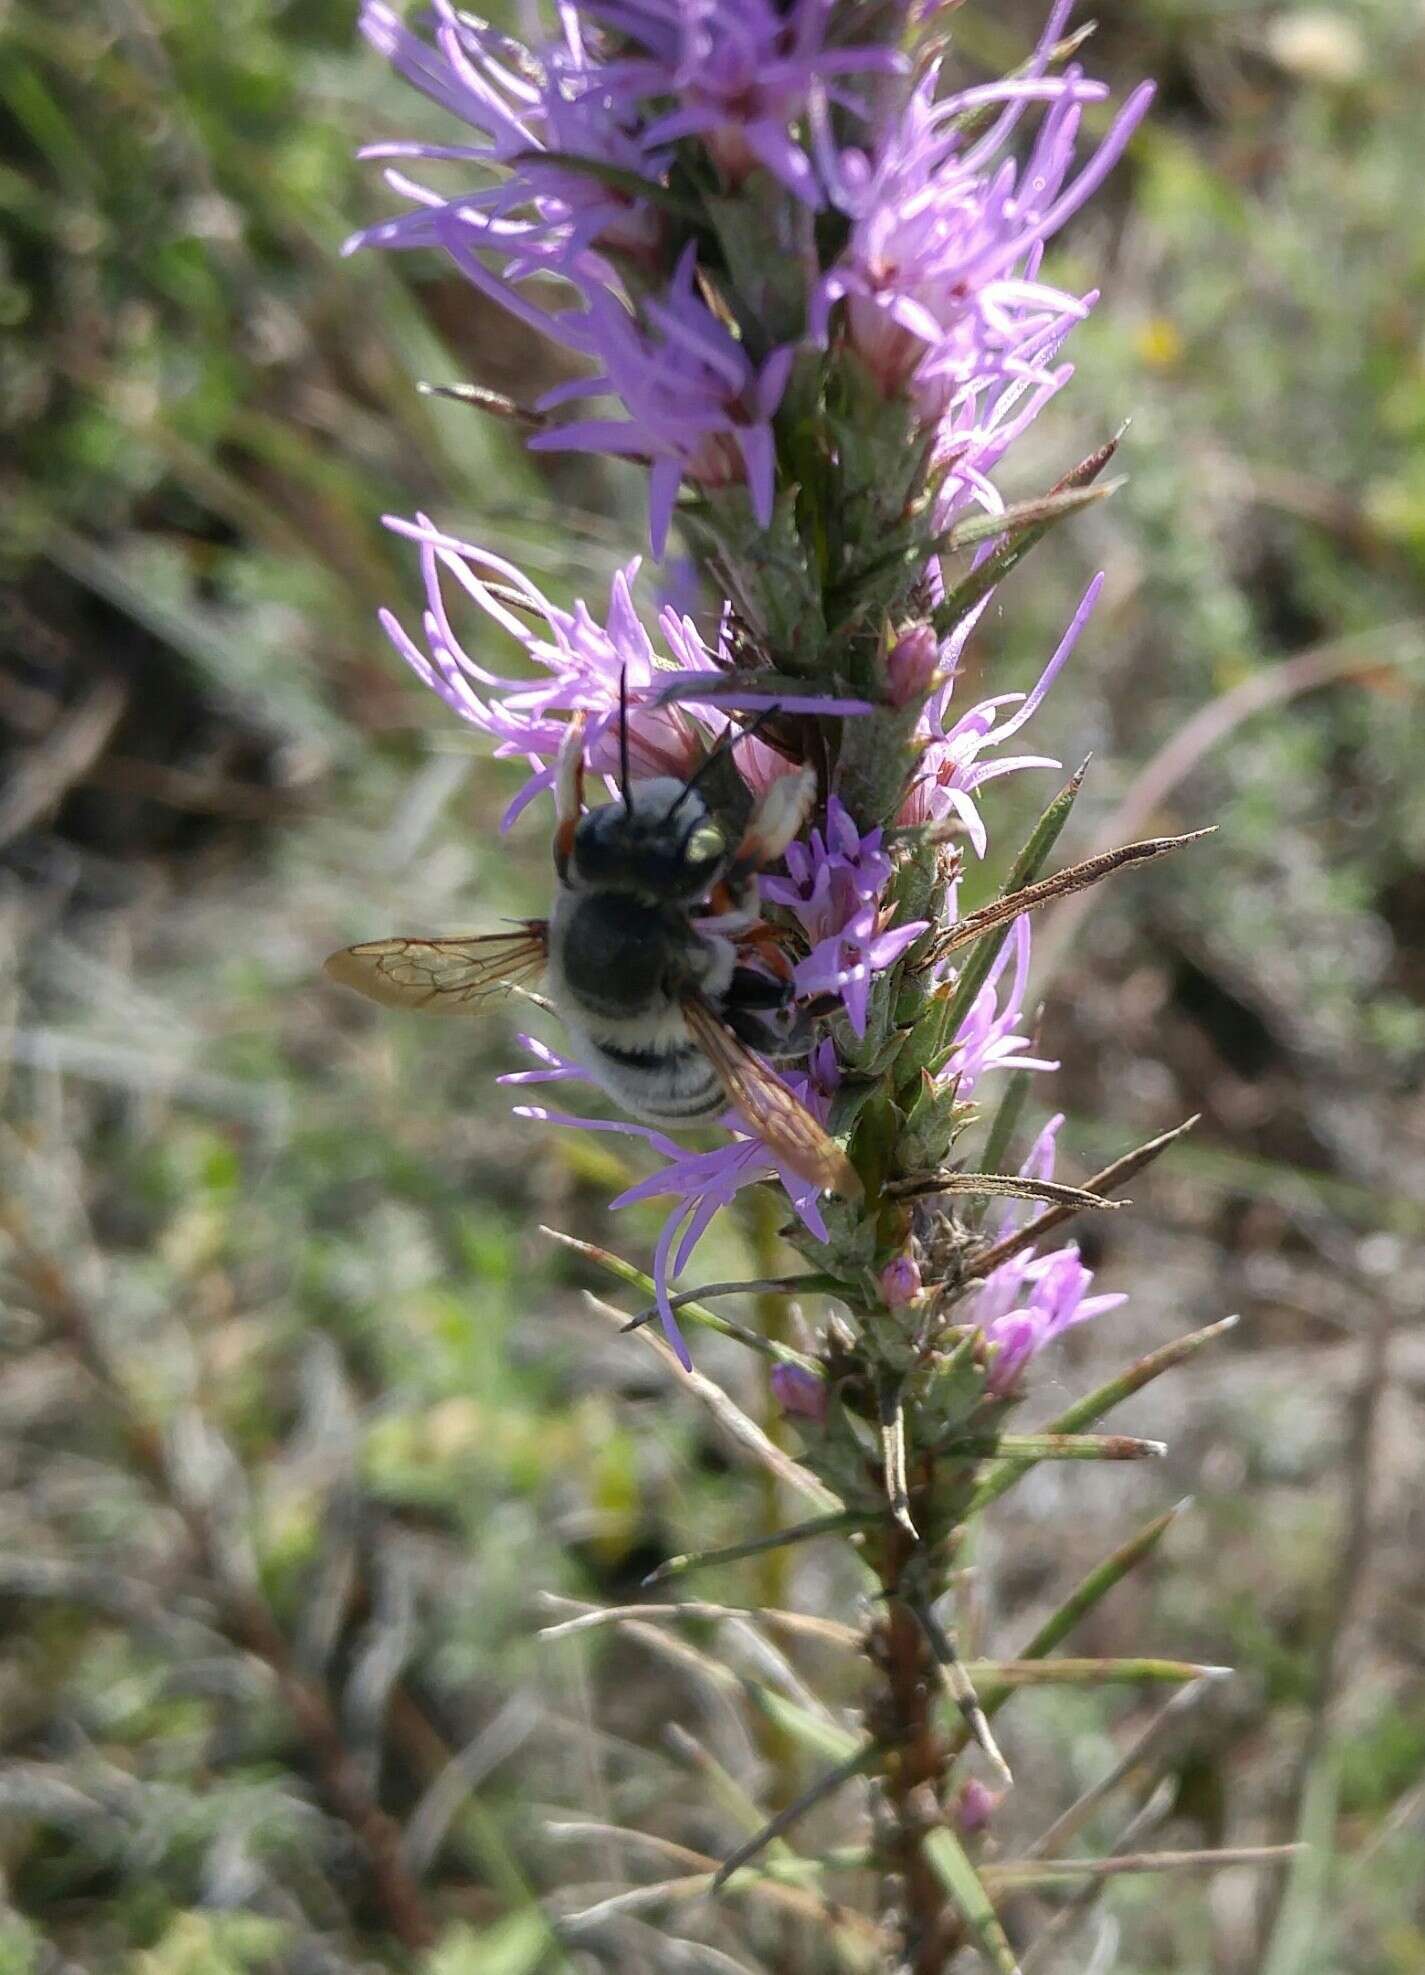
1100,1401
1059,1447
995,567
1099,1582
1037,514
824,1738
961,1881
798,1532
990,1674
861,1758
808,1282
1080,1601
722,1787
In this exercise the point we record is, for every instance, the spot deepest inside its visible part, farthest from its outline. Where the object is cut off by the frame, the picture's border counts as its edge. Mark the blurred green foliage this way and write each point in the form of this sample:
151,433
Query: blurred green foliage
280,1325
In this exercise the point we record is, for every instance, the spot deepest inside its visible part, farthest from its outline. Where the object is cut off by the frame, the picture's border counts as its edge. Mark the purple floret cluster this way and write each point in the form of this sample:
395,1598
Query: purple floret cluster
582,145
916,219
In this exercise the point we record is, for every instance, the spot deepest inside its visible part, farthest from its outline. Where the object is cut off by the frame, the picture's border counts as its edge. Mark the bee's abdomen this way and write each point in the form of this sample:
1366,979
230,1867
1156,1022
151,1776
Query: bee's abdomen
671,1085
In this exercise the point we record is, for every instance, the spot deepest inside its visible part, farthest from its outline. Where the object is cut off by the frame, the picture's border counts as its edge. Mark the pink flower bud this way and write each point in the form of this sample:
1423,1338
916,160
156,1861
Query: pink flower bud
911,663
800,1393
900,1283
975,1804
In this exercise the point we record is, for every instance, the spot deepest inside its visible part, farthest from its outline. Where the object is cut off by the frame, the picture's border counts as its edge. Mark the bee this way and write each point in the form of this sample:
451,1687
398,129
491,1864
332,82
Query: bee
644,957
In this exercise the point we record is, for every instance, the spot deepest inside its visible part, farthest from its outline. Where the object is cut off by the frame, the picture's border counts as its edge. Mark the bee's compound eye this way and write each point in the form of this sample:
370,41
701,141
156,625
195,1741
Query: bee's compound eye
706,847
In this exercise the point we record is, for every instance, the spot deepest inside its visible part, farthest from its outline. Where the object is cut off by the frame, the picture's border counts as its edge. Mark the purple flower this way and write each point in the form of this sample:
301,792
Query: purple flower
736,73
578,663
698,407
542,216
700,1184
1031,1299
833,889
951,768
938,284
801,1394
988,1038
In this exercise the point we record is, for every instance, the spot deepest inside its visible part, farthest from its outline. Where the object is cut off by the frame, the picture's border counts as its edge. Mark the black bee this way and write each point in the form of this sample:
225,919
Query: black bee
642,952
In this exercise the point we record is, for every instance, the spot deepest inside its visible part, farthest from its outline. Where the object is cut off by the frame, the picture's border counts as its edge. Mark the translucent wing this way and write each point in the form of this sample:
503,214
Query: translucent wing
442,976
769,1107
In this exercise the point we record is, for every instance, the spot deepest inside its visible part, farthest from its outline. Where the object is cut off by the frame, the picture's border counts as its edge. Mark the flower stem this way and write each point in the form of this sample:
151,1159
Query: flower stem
903,1719
776,1745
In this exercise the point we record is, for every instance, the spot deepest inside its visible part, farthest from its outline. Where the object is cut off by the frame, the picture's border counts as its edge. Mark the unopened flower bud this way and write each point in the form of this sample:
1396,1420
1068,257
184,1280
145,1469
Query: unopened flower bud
900,1283
800,1393
911,663
975,1804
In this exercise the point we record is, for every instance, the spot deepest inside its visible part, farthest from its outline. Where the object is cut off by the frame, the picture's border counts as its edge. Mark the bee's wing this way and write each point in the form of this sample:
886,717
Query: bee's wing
442,976
769,1107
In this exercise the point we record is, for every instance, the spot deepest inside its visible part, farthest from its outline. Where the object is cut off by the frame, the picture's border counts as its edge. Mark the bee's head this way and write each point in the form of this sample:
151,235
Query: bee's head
665,846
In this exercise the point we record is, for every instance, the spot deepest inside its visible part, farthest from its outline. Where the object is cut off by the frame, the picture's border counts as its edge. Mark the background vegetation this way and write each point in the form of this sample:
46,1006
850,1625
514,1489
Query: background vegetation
301,1416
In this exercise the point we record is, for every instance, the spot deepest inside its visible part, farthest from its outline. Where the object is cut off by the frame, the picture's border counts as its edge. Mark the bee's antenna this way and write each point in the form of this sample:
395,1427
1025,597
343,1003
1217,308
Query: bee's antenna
625,780
725,746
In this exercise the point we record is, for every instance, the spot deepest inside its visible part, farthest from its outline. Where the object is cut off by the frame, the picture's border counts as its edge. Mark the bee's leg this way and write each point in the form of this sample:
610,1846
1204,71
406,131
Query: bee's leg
764,943
762,1013
568,793
751,989
778,818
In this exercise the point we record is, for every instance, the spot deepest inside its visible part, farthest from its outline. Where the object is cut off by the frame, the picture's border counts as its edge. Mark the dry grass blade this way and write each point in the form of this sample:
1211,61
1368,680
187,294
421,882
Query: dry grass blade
1063,884
1146,1819
1102,1182
46,773
855,1936
721,1787
719,1679
804,1624
496,405
744,1432
1014,1873
690,1300
441,1802
636,1899
1010,1186
199,1476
